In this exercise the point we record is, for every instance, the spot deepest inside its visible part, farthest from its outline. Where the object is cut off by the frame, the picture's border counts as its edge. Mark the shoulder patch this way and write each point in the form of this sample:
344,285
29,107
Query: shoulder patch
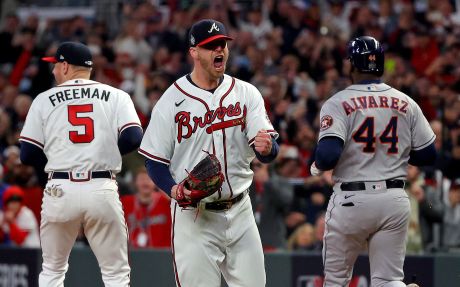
326,122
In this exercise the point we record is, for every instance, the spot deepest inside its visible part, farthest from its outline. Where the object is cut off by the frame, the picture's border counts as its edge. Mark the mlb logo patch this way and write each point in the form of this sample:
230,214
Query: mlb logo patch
326,122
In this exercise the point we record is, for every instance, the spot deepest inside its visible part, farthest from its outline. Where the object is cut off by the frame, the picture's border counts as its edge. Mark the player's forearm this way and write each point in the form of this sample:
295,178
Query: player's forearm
160,175
328,153
270,157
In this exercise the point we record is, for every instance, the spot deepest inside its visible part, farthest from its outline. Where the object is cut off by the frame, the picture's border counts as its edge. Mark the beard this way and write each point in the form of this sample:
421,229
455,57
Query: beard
208,66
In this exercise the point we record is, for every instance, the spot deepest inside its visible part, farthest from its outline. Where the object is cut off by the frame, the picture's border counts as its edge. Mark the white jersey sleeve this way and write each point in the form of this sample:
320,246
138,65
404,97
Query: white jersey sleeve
32,131
422,134
126,115
158,141
257,117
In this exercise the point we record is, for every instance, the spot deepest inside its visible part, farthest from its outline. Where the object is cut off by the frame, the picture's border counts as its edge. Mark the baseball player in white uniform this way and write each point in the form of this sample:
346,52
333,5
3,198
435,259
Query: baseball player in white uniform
210,111
368,134
79,129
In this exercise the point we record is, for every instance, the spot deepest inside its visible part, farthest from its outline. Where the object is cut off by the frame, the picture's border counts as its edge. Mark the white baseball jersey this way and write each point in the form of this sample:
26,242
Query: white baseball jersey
77,124
187,120
379,126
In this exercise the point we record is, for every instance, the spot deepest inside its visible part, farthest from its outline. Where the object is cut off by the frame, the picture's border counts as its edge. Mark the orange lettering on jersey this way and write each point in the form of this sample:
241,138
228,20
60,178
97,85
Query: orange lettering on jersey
372,102
394,103
355,104
348,109
383,102
362,101
182,119
404,106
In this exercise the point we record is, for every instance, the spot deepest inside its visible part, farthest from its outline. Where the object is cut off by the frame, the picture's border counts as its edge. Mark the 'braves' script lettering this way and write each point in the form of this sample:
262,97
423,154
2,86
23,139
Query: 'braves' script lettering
186,125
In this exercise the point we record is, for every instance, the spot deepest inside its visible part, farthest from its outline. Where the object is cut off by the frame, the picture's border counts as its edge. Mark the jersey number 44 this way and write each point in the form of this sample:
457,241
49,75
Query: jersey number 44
365,135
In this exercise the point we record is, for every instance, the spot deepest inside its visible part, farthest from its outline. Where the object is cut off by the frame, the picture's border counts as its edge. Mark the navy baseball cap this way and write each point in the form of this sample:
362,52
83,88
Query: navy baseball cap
205,31
74,53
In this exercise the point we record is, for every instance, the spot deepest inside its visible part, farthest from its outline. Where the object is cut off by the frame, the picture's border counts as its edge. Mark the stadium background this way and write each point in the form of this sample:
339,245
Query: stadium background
293,51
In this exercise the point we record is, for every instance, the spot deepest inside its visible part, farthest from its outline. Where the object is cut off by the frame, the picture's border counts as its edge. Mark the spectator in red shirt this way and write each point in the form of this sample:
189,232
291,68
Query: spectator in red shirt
17,222
147,214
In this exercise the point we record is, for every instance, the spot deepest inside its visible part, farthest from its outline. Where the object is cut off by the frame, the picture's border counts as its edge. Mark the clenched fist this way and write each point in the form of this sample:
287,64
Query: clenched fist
263,143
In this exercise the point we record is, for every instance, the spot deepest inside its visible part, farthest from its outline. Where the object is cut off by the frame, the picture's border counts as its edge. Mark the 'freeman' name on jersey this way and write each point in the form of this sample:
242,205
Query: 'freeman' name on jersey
369,102
78,93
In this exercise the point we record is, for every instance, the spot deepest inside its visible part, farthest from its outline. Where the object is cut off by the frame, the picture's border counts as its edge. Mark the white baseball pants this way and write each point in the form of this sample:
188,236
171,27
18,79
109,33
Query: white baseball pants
217,242
96,206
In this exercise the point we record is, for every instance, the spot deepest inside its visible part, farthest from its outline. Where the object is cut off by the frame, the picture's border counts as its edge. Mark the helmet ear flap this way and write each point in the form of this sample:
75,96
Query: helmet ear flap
352,65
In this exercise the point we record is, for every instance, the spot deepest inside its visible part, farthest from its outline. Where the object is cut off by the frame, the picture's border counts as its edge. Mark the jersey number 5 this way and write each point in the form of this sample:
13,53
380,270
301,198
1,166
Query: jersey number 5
366,135
75,120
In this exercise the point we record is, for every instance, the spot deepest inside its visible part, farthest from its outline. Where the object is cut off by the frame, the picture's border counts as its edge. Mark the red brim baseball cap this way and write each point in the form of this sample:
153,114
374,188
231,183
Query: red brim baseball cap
50,59
206,31
213,38
74,53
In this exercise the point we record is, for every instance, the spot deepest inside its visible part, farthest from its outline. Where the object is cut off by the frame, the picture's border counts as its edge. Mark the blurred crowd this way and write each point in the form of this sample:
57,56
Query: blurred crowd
293,51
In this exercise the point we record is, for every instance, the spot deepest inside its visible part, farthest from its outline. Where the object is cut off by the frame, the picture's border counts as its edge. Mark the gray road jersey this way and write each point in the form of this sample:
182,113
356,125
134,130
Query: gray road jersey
379,126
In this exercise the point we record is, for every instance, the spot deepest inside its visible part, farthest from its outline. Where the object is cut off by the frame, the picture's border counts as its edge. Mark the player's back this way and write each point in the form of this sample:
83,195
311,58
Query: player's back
378,126
80,123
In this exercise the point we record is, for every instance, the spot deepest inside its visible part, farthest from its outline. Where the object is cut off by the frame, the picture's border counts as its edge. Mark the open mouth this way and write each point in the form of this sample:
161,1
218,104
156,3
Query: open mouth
219,62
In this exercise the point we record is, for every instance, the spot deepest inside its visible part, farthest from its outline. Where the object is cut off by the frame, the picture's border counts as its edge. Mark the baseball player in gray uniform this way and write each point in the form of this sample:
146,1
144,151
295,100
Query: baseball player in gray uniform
77,132
369,132
211,111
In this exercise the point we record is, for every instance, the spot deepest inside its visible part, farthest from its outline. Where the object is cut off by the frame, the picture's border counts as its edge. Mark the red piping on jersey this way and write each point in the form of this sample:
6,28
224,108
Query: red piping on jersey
152,157
32,141
193,97
128,125
251,141
224,138
172,247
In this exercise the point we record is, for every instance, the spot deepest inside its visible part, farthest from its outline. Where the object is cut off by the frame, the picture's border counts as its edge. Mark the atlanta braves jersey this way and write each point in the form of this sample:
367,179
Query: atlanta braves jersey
368,116
94,115
187,120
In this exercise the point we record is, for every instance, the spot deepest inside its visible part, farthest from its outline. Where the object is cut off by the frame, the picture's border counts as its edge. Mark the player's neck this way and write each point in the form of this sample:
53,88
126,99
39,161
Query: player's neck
76,75
360,79
204,81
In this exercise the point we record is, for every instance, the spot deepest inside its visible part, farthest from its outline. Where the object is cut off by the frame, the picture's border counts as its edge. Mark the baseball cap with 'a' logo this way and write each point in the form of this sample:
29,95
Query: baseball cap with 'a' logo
205,31
74,53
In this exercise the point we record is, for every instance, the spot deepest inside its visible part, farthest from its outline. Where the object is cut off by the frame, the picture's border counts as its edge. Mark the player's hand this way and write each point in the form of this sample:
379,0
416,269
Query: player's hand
174,192
314,170
263,143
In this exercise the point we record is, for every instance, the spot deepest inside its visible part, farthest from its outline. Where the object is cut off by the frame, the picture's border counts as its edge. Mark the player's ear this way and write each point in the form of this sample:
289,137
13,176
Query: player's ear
193,52
65,68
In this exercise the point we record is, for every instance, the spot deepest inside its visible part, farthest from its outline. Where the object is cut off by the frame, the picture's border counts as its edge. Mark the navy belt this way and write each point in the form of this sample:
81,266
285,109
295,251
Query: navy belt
359,185
223,204
67,175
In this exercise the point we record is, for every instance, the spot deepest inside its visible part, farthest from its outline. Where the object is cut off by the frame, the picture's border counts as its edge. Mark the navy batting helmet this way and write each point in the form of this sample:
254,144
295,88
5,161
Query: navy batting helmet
366,55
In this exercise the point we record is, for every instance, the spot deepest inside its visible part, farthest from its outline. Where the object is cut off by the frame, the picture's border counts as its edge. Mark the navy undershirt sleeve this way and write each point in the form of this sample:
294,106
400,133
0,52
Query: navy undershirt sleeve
32,155
160,175
270,157
129,139
328,152
423,157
